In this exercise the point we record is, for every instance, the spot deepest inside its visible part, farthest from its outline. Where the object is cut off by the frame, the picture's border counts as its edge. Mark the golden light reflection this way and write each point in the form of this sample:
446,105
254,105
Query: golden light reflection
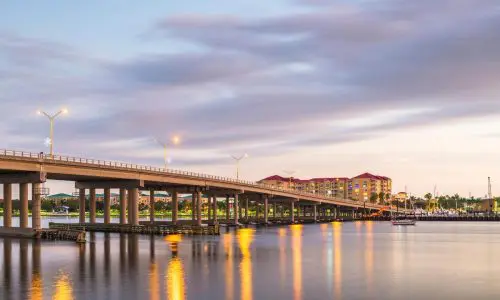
297,260
36,290
245,238
369,254
63,288
176,286
282,234
324,230
154,288
228,247
174,241
337,241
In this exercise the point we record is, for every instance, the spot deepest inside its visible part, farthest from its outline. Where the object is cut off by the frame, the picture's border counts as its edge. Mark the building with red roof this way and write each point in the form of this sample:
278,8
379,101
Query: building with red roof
362,187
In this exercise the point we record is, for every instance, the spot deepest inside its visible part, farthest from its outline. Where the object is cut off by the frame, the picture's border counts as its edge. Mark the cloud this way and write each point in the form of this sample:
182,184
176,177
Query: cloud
270,85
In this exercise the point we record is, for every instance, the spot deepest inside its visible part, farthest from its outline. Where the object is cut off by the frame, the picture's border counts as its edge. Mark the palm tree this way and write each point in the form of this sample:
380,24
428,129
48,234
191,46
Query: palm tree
428,196
381,197
373,197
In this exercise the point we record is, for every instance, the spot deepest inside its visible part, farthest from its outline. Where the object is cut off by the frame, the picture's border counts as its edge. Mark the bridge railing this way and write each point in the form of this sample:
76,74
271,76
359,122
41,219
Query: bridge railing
94,162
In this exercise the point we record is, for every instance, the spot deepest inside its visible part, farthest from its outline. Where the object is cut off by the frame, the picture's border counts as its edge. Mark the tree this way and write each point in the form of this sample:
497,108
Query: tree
428,196
373,197
381,197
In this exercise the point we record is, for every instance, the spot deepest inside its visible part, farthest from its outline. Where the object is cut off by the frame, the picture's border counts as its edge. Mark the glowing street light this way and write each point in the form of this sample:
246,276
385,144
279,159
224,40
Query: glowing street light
237,159
51,119
175,141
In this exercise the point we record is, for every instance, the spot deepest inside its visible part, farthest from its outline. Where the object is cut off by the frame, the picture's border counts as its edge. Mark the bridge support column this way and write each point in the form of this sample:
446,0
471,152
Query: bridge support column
133,206
198,208
298,210
315,213
282,211
123,206
152,206
36,204
175,207
266,209
228,212
235,209
257,212
246,209
92,206
292,213
107,205
274,210
214,203
7,204
81,209
209,208
23,209
193,207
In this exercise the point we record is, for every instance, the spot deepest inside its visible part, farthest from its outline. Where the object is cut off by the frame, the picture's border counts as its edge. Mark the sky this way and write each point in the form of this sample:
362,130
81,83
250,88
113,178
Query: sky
404,89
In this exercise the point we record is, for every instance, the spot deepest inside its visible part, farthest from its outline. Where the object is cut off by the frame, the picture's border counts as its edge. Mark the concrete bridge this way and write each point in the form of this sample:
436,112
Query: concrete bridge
26,168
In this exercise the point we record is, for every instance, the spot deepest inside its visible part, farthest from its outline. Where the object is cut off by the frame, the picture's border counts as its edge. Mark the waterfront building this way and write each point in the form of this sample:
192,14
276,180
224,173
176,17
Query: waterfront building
359,188
363,186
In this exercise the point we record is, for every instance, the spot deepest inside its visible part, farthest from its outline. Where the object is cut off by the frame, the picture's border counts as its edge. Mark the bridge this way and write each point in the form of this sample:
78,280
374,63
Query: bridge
27,168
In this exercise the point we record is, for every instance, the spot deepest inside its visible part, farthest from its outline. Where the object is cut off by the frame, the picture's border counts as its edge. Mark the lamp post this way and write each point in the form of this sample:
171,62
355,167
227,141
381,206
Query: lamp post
237,159
290,177
175,141
52,119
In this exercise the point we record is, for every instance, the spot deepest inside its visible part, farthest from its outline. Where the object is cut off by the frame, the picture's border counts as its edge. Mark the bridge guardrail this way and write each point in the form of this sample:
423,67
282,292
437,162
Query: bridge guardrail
114,164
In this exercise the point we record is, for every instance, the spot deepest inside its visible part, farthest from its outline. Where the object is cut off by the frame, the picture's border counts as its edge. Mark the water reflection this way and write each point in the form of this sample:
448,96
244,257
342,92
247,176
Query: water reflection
63,289
297,260
369,254
337,242
176,286
282,234
245,238
36,273
228,249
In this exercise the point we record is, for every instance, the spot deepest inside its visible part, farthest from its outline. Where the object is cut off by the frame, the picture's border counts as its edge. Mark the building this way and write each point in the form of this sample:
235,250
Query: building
369,187
358,188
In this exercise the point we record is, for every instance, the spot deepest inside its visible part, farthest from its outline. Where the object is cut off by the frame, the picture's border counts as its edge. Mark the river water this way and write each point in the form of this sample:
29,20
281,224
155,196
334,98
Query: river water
360,260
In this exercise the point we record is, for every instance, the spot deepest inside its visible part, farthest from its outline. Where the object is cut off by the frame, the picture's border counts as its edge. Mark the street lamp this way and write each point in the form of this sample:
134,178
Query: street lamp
237,159
290,176
175,141
51,119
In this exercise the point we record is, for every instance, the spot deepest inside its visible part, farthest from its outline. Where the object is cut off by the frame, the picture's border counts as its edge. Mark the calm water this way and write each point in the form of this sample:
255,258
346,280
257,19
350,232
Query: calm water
362,260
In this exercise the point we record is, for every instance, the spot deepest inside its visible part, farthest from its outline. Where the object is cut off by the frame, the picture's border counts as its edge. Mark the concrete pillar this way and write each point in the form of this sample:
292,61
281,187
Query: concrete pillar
240,207
214,203
198,208
175,207
282,211
23,209
7,204
257,212
298,210
92,206
235,209
275,207
81,209
292,208
315,213
123,206
228,212
152,206
209,207
193,207
266,209
336,212
133,208
107,205
36,203
246,209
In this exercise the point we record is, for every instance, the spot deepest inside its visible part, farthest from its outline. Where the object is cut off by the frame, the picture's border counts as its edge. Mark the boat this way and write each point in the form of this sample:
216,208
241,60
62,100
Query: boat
403,222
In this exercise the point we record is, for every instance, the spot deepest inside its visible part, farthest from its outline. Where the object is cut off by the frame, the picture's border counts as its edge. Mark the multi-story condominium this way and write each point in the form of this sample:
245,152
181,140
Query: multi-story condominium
338,187
369,187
